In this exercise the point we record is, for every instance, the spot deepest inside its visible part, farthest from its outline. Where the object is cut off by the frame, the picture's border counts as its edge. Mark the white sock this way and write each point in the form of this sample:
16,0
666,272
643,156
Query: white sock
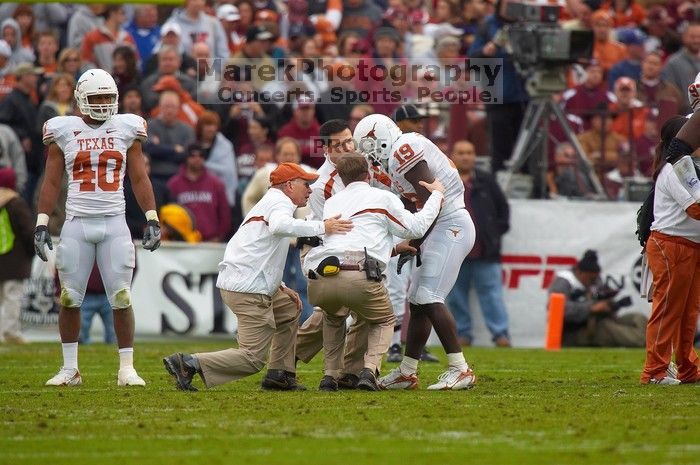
126,357
70,355
457,360
396,338
409,366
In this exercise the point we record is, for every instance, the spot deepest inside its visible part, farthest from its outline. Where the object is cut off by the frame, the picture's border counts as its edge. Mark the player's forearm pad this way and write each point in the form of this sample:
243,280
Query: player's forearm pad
677,149
685,170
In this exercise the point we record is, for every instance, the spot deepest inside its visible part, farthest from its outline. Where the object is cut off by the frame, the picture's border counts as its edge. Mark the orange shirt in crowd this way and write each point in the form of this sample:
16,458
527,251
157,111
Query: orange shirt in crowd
621,123
609,53
50,68
98,45
633,16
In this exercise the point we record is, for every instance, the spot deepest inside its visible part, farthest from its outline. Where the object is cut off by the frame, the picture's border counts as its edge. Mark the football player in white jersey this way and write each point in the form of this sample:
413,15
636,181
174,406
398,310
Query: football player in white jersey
685,144
408,159
95,151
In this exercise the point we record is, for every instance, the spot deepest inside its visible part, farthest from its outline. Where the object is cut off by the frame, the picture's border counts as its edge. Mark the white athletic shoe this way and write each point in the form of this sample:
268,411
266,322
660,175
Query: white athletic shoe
129,377
665,381
66,377
672,370
397,380
454,379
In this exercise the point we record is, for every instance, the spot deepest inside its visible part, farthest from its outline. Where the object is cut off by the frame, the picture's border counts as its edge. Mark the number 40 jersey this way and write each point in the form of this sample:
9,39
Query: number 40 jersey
95,160
409,149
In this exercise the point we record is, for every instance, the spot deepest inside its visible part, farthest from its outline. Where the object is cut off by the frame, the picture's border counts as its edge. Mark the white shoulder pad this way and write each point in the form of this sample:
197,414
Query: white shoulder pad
406,152
58,129
133,125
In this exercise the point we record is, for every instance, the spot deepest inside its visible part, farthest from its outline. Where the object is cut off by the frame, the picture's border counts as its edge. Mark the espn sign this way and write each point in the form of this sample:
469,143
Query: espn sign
516,267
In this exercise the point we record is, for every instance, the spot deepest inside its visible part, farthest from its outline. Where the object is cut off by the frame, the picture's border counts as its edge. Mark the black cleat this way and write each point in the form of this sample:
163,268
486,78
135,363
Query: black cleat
367,382
348,381
294,384
394,354
178,369
428,357
328,384
280,380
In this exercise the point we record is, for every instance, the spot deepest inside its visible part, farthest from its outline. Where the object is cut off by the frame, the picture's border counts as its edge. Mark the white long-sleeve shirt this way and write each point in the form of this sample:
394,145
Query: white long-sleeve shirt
377,216
670,202
327,185
254,257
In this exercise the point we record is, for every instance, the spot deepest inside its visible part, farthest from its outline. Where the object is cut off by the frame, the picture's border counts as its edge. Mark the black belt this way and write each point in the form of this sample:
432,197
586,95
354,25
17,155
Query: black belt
314,275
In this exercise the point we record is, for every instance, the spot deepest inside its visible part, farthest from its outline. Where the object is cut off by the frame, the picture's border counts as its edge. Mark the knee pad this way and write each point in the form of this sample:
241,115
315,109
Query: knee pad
71,298
424,296
121,299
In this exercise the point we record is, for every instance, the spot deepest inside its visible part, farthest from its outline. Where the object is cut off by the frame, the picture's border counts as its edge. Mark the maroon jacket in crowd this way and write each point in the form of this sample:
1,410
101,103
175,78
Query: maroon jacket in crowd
581,101
206,199
311,150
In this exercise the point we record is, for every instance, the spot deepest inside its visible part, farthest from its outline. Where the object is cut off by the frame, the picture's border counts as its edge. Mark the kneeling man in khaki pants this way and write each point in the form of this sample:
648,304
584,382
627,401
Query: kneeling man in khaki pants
345,273
250,279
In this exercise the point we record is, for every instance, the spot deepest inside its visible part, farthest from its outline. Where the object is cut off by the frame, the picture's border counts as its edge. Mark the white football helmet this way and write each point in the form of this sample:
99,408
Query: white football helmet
374,135
97,82
694,93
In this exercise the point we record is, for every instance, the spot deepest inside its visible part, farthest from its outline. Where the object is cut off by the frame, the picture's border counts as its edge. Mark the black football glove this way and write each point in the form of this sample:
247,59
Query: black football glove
42,238
151,235
406,257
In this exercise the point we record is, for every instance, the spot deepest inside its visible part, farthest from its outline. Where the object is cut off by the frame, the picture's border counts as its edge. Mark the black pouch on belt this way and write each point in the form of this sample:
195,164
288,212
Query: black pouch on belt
372,268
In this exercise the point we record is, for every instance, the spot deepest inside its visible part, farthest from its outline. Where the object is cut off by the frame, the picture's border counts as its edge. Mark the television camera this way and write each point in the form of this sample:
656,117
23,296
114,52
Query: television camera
541,49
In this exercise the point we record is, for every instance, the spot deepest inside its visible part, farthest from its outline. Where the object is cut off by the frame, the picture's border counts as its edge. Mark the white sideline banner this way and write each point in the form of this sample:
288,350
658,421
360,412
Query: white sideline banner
174,288
174,291
547,236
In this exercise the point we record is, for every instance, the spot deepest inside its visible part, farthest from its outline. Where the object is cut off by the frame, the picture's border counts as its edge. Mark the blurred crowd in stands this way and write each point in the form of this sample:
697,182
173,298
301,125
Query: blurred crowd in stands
203,154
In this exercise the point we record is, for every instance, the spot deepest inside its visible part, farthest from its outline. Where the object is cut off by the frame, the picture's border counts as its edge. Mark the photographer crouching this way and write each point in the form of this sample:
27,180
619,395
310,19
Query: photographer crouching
590,311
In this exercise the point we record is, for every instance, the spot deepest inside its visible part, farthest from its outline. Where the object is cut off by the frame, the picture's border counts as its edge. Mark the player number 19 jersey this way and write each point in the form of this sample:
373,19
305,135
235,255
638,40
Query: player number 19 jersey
409,149
95,160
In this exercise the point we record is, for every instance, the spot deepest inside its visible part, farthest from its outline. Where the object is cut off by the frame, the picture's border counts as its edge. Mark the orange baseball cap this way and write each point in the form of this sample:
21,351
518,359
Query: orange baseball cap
288,172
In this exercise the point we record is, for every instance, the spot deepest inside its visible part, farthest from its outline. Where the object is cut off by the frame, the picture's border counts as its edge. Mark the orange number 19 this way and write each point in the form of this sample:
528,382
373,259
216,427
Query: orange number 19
404,154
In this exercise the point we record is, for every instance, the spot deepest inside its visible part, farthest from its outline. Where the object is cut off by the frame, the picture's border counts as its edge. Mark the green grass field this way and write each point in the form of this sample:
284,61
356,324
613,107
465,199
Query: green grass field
530,407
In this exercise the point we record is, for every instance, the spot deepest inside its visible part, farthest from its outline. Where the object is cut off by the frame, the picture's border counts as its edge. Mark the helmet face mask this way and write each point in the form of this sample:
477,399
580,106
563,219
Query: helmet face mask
370,148
92,83
374,136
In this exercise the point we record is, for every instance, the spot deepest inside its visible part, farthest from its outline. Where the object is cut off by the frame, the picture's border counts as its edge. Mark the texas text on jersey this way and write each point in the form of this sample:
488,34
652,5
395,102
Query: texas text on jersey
95,160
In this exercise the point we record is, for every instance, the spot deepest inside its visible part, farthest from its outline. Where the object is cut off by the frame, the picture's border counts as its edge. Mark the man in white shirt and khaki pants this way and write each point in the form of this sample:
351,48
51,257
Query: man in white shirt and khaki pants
340,271
250,279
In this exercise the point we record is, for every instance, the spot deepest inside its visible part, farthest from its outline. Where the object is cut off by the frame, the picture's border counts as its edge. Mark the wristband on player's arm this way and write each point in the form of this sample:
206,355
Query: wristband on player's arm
42,219
677,149
152,215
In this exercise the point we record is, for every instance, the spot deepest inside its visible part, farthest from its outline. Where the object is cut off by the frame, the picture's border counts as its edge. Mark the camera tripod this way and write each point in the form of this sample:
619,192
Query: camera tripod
532,142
